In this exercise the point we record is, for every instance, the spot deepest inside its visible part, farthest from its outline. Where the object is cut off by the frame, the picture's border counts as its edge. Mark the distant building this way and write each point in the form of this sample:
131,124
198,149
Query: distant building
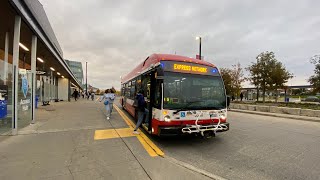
76,68
92,89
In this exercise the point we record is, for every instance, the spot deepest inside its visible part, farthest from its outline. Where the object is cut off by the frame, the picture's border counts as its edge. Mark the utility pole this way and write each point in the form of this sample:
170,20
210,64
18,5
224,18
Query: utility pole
200,48
199,38
86,76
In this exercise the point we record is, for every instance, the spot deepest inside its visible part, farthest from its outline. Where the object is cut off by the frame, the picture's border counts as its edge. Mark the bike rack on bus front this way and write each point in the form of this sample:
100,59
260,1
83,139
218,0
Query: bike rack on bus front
202,129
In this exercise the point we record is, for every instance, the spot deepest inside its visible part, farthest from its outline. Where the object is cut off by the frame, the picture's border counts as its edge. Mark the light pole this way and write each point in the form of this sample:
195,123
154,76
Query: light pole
86,77
199,38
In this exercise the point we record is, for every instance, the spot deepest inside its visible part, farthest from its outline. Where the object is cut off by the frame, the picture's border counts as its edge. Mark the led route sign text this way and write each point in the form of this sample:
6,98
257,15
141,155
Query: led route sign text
189,68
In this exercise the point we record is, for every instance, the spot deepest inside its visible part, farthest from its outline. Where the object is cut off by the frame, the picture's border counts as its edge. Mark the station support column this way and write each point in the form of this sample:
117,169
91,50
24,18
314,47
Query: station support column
6,57
16,40
33,71
69,90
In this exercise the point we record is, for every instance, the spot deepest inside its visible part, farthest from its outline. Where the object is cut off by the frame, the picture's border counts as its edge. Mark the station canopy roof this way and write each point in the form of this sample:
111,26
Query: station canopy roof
34,22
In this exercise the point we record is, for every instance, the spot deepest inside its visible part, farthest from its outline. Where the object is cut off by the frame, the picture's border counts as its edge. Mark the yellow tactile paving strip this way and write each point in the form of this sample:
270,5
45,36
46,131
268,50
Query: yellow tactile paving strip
148,145
113,133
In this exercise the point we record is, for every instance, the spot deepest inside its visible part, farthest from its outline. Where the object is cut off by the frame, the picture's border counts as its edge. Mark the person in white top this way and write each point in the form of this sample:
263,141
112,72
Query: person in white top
112,97
108,98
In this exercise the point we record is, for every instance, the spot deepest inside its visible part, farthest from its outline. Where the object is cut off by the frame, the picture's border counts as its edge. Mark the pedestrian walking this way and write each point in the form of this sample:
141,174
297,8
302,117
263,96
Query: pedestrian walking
112,97
88,95
92,96
232,98
140,105
241,96
75,94
228,102
107,98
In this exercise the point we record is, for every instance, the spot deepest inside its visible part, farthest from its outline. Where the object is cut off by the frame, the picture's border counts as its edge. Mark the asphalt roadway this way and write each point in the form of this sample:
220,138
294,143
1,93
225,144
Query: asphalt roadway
64,143
255,147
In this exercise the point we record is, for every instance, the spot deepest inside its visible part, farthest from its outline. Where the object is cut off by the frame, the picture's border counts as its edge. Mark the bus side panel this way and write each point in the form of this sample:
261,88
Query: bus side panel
129,107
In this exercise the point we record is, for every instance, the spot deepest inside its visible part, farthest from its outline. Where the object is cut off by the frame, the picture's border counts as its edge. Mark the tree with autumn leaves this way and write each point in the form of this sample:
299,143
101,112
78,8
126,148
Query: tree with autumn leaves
314,80
233,78
266,74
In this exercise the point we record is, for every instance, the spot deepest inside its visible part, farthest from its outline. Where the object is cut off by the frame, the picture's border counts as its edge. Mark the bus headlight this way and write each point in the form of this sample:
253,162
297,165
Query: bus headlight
167,118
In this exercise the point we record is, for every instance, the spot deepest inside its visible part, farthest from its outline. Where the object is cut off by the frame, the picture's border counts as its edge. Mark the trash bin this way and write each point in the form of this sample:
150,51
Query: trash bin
287,99
36,103
3,109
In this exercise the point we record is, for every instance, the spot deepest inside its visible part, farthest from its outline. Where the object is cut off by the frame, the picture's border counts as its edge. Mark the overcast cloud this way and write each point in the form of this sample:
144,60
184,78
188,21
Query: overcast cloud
114,36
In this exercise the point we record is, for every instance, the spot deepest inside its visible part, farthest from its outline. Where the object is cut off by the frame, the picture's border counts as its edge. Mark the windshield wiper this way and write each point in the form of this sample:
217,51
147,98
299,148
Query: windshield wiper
187,105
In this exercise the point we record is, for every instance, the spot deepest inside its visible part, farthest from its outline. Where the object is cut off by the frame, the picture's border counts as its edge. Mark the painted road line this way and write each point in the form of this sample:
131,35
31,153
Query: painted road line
124,117
144,138
152,145
146,146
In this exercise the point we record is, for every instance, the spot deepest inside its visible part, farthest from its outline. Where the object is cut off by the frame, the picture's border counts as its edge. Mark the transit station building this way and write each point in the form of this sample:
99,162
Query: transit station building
32,66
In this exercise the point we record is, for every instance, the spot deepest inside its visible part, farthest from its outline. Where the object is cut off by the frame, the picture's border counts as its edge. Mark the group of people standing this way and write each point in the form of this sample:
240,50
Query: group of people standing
76,95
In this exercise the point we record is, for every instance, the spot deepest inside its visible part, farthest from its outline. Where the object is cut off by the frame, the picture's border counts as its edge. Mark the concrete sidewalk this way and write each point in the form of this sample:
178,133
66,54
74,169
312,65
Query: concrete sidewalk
61,145
288,116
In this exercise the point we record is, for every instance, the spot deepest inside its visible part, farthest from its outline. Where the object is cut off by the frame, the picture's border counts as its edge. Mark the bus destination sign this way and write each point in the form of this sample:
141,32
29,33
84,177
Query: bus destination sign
190,68
186,67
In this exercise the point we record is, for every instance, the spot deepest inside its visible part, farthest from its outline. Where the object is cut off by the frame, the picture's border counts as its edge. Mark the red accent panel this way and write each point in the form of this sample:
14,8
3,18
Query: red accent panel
130,109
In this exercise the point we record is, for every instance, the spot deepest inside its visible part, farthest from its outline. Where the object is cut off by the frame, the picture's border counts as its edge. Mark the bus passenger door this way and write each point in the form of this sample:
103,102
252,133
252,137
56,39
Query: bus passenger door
149,86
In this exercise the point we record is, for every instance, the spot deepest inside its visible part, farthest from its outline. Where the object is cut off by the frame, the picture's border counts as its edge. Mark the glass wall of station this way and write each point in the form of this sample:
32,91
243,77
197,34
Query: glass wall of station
24,91
46,91
47,88
5,93
25,82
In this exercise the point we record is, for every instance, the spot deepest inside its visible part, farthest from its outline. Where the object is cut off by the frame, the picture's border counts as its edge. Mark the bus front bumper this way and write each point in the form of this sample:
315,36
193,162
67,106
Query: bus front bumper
193,129
202,128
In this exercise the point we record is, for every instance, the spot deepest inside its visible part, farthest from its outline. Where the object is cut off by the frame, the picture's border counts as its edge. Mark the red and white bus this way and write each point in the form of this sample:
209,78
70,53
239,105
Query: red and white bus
183,95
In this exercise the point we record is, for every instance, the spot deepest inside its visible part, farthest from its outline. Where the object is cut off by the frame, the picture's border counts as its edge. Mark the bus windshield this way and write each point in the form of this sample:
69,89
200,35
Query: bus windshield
192,91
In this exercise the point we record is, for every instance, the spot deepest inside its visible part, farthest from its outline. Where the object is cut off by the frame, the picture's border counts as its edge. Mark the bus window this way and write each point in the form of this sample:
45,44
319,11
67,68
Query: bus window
146,83
127,90
138,84
193,91
132,89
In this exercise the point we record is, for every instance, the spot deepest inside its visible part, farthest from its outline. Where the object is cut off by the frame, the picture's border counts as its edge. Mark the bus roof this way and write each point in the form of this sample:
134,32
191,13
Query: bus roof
155,58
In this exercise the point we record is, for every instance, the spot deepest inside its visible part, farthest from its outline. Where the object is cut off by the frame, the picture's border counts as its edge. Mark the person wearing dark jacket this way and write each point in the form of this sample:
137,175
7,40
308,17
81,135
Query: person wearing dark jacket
75,94
141,110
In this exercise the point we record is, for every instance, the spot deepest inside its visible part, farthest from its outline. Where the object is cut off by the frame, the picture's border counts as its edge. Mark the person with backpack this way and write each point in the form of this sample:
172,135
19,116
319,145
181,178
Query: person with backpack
112,97
107,97
140,105
92,96
75,94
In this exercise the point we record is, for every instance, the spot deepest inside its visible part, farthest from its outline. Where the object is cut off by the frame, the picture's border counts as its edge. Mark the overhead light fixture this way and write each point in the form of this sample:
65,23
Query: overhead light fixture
39,59
58,73
62,76
23,47
52,69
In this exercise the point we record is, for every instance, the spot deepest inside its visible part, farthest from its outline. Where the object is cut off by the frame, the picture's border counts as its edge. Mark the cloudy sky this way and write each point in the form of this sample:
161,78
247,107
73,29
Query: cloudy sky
114,36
